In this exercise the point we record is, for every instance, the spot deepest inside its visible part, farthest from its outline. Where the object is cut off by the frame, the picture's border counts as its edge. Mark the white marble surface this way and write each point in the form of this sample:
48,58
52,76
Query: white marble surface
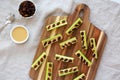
117,1
15,60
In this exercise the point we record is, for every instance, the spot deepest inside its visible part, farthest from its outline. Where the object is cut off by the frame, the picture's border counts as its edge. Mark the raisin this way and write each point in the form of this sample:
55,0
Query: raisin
70,70
66,45
61,59
45,43
53,25
50,65
61,72
57,58
82,33
49,42
78,54
93,55
38,62
35,66
75,69
86,63
66,71
82,38
49,70
92,41
58,23
92,46
54,40
70,32
66,60
70,60
41,59
48,27
81,58
63,46
69,43
74,29
48,78
59,38
44,56
79,22
73,41
76,25
49,74
63,21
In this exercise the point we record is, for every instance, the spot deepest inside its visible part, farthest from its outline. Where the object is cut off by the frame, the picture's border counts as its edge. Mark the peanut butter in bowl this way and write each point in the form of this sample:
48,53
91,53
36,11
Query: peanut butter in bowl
19,34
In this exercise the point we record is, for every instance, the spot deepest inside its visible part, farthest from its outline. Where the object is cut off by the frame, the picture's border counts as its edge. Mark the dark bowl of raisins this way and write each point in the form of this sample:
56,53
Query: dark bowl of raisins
27,8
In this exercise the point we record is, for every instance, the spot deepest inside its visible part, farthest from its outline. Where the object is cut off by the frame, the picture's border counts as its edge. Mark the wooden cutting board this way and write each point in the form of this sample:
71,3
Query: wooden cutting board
83,12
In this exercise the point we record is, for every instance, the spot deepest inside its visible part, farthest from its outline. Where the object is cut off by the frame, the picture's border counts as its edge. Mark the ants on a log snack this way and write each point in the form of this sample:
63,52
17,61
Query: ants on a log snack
68,42
63,58
83,58
94,48
49,70
83,39
27,8
57,24
74,26
39,61
80,77
51,40
67,71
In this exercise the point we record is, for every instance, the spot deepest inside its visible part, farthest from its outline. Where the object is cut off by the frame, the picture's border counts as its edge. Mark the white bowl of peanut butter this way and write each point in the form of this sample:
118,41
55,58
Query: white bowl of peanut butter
19,34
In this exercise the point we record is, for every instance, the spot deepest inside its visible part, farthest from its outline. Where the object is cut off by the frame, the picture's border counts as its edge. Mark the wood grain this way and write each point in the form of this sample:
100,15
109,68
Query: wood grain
51,50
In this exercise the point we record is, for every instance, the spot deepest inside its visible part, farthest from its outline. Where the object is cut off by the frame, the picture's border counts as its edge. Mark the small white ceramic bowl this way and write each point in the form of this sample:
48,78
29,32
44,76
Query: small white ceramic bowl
19,42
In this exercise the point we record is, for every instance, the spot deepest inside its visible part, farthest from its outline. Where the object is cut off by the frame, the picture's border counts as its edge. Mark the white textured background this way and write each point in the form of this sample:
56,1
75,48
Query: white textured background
15,60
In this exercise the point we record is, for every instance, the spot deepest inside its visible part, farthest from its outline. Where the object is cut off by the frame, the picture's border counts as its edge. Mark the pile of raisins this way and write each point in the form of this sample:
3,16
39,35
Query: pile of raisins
27,8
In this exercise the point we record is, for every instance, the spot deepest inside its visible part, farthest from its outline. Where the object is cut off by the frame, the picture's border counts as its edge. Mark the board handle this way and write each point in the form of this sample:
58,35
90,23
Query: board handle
83,11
